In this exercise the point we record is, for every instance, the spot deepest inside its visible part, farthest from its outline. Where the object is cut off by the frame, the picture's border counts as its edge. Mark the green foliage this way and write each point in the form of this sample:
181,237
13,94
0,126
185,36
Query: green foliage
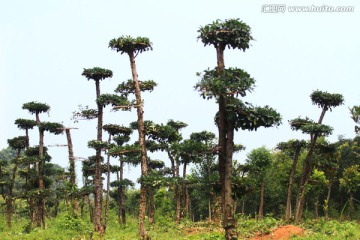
331,229
232,82
84,113
308,126
98,145
351,178
231,32
250,227
114,100
248,117
355,115
120,150
115,129
18,142
122,183
25,123
96,73
55,128
126,88
36,107
259,160
128,44
326,100
121,139
34,152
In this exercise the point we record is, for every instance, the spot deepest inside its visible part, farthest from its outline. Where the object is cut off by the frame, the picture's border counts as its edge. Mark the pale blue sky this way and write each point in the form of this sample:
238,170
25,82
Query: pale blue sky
44,46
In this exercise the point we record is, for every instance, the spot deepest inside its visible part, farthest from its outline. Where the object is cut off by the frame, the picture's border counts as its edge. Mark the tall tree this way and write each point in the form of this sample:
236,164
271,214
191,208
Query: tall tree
56,128
97,74
225,85
326,101
132,47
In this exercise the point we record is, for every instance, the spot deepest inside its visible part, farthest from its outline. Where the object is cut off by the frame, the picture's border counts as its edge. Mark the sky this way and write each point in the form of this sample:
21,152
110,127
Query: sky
45,45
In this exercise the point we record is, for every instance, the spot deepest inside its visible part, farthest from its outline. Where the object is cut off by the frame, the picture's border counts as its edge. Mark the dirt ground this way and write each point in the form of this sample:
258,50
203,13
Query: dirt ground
282,233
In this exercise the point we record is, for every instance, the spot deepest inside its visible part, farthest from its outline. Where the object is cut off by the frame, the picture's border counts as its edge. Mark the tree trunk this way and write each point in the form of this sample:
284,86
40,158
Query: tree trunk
351,205
229,222
122,195
98,227
41,200
316,208
326,204
107,188
74,202
305,176
288,214
144,167
185,194
177,192
261,207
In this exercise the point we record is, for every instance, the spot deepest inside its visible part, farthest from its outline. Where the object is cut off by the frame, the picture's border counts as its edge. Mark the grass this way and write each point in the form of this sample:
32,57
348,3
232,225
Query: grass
68,227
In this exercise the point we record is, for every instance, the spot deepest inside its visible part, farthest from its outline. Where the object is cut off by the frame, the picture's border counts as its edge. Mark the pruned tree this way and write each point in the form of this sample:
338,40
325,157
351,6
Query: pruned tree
132,47
55,128
225,85
326,101
97,74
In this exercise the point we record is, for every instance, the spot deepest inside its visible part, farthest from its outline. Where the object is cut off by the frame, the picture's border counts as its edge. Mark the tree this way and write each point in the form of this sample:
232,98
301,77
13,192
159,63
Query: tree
97,74
233,114
326,101
259,160
18,144
26,124
294,147
55,128
132,47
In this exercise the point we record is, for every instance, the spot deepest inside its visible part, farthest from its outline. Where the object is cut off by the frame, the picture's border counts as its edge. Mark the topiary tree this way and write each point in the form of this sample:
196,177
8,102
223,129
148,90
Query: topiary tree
132,47
225,85
97,74
326,101
56,128
293,148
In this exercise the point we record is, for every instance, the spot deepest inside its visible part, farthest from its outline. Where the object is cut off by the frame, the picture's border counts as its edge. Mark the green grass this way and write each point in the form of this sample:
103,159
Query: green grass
74,228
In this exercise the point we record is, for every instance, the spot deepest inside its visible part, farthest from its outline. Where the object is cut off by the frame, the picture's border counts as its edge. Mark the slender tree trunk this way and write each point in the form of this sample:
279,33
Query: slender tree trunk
74,202
261,208
288,213
98,227
185,194
316,208
107,188
326,204
177,192
144,167
41,205
122,195
351,206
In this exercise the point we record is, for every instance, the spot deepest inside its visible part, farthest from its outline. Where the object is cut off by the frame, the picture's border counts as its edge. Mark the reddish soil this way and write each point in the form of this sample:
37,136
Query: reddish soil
282,233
